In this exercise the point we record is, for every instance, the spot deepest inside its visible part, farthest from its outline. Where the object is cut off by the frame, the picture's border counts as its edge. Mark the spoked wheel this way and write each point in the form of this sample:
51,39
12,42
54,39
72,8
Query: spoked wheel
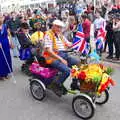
103,98
83,107
37,90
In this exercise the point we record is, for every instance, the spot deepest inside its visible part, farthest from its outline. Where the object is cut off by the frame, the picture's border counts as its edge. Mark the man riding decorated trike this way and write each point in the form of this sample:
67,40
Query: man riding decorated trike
89,83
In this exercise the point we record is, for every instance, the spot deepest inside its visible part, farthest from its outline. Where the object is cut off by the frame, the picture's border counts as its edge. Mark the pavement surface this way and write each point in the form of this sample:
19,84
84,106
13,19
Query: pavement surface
17,103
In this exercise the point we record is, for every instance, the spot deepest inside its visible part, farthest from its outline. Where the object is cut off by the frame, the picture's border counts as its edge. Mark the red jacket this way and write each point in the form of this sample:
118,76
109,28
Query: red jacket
86,28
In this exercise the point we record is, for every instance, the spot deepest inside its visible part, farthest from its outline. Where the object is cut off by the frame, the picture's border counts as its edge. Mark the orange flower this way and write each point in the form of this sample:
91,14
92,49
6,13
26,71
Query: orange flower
73,71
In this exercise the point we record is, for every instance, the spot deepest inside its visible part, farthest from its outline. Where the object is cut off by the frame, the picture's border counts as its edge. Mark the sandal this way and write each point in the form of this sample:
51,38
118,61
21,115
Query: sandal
7,77
115,59
1,78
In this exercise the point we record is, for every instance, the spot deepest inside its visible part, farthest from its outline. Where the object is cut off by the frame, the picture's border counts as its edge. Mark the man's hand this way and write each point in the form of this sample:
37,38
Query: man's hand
64,61
70,45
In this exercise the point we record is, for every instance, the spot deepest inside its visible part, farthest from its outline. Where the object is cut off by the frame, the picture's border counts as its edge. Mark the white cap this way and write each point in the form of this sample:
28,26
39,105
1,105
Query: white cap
59,23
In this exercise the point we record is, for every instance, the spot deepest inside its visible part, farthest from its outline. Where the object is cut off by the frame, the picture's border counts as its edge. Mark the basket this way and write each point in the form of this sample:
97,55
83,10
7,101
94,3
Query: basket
88,86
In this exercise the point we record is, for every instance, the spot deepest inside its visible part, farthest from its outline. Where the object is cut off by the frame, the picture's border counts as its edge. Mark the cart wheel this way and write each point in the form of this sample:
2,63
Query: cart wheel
83,107
103,98
37,90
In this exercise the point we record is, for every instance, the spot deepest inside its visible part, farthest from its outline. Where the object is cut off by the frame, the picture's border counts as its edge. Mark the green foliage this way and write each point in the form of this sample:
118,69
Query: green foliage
109,70
97,79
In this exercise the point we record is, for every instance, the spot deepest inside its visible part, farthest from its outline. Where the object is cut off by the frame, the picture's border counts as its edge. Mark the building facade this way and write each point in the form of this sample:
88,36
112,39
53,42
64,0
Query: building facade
15,5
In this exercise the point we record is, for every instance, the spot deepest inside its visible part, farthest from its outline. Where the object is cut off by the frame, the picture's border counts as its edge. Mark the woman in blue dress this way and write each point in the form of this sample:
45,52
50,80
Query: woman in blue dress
5,69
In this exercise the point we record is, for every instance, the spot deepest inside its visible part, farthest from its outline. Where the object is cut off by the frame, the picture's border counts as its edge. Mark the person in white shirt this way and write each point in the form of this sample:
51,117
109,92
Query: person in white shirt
98,24
99,21
65,13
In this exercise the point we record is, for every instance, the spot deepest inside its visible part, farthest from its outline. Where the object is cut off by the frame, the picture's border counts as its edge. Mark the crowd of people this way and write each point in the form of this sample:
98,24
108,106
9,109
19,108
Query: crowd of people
57,29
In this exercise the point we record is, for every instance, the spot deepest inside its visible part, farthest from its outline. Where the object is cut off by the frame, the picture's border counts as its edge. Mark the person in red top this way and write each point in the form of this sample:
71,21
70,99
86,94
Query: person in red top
86,23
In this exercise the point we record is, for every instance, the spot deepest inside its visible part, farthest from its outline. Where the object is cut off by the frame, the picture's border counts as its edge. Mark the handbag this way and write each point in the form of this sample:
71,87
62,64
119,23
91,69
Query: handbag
25,53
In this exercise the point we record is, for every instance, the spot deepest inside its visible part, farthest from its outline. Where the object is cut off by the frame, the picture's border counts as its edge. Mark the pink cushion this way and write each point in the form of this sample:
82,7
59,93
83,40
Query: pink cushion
35,68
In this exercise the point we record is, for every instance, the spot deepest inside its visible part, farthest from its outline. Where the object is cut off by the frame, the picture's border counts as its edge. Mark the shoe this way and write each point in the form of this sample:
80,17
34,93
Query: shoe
64,90
7,77
2,78
109,57
116,59
57,89
74,85
15,56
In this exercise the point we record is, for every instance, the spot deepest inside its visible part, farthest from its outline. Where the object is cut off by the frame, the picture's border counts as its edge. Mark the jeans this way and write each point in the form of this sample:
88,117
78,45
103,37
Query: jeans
64,69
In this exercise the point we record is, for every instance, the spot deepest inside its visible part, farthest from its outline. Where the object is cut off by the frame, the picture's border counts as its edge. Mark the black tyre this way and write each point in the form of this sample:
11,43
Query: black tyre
83,107
103,98
37,90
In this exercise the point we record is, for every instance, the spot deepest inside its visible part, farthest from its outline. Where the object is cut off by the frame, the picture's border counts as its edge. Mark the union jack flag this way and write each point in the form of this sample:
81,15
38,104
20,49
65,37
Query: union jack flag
101,33
100,38
79,43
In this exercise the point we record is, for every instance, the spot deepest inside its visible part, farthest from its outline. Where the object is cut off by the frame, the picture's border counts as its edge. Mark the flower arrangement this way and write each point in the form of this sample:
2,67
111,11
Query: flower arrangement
97,74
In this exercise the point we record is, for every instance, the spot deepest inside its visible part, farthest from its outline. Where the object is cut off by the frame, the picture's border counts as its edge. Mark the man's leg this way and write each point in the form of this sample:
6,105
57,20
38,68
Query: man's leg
106,43
118,41
71,60
64,69
117,49
58,86
110,47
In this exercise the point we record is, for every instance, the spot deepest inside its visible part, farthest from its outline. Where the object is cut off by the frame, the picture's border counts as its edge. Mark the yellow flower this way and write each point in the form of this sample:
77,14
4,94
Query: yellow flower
104,78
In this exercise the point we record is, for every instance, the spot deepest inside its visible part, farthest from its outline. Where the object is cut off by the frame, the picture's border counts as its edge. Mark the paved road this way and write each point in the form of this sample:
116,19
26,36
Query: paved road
16,102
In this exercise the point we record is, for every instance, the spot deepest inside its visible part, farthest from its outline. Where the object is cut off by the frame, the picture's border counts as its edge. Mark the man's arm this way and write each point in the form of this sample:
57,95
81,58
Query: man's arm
67,43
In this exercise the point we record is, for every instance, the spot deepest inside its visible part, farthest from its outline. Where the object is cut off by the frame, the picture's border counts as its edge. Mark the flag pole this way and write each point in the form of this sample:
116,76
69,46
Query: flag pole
14,81
92,39
94,5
